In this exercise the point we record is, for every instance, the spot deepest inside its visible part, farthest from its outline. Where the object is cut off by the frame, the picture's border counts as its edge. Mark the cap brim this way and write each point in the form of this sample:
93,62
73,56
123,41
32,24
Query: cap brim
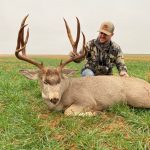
104,31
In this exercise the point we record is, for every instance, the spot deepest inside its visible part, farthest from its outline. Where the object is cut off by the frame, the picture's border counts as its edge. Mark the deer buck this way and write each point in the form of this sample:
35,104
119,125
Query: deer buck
83,95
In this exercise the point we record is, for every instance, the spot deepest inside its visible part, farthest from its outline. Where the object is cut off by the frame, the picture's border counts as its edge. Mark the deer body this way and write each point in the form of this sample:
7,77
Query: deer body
92,94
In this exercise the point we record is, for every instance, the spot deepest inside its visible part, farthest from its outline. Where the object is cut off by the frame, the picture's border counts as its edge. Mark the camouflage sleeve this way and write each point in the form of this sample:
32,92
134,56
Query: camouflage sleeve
120,64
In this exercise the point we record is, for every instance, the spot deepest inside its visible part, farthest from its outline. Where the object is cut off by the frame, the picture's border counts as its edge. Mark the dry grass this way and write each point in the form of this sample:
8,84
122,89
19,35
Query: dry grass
37,56
140,57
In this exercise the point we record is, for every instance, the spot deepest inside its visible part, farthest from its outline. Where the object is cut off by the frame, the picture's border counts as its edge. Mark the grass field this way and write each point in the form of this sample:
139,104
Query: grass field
26,123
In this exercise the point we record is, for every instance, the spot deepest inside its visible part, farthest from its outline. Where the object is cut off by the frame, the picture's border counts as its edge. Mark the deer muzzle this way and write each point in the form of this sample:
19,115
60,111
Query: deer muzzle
54,100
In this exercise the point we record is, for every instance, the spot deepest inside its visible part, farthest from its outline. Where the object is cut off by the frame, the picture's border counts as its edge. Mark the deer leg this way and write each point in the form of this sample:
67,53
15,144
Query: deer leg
76,110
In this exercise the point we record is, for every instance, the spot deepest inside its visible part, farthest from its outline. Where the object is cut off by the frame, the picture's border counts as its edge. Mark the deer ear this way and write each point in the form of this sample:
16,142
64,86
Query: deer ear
30,74
67,71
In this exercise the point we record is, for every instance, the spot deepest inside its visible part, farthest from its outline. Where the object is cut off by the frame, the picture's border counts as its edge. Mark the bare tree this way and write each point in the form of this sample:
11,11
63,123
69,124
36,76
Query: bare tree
83,95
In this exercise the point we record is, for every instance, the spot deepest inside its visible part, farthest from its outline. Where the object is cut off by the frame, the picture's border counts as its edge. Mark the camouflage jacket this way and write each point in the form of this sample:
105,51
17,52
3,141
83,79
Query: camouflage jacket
102,58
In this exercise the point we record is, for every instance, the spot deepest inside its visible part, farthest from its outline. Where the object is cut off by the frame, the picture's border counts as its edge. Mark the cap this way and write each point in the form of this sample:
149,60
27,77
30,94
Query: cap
107,27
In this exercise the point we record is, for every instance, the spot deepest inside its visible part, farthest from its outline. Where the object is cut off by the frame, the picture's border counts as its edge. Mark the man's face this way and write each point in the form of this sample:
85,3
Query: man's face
104,38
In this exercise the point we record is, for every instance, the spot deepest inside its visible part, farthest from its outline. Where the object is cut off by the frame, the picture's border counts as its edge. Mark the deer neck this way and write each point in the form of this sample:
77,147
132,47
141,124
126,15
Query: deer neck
65,84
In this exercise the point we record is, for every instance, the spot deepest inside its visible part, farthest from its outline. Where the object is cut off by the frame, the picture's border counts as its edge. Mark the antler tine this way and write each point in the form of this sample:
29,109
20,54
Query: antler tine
22,35
20,47
84,50
74,44
19,36
77,56
24,20
69,33
78,33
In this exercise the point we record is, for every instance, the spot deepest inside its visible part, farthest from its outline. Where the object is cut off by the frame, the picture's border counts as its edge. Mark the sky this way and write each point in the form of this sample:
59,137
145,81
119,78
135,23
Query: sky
47,29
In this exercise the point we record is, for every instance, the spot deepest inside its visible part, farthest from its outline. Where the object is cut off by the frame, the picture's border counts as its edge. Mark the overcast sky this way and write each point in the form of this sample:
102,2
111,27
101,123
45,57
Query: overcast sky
47,29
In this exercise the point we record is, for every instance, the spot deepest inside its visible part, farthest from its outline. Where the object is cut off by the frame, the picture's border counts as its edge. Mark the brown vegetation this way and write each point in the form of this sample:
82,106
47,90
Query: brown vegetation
142,57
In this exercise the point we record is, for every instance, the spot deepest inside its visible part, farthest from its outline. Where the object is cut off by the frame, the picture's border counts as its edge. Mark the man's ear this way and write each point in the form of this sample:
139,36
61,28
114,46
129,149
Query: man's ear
30,74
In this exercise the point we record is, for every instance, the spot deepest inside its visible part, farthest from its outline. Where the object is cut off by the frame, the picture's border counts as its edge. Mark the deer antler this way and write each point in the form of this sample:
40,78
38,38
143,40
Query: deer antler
74,44
21,46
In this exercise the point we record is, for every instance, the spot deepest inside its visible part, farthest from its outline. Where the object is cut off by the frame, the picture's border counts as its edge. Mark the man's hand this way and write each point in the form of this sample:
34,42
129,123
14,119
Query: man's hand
123,74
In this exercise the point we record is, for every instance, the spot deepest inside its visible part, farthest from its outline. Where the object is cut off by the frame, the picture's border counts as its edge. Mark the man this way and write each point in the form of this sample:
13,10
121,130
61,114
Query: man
103,54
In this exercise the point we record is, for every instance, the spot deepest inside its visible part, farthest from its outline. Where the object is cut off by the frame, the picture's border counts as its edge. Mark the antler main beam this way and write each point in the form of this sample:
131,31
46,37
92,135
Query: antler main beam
21,46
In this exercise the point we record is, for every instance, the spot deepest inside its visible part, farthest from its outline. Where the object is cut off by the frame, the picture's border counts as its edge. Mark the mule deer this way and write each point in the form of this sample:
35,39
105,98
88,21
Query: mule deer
83,95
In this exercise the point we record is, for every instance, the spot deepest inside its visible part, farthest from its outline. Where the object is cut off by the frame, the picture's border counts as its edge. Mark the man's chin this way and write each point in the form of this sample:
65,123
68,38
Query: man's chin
102,41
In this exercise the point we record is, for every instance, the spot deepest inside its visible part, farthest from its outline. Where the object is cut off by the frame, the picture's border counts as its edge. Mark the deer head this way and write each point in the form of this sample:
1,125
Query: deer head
51,80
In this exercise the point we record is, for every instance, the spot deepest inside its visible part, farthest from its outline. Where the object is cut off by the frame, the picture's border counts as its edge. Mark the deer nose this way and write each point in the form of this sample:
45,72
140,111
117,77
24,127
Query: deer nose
54,100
